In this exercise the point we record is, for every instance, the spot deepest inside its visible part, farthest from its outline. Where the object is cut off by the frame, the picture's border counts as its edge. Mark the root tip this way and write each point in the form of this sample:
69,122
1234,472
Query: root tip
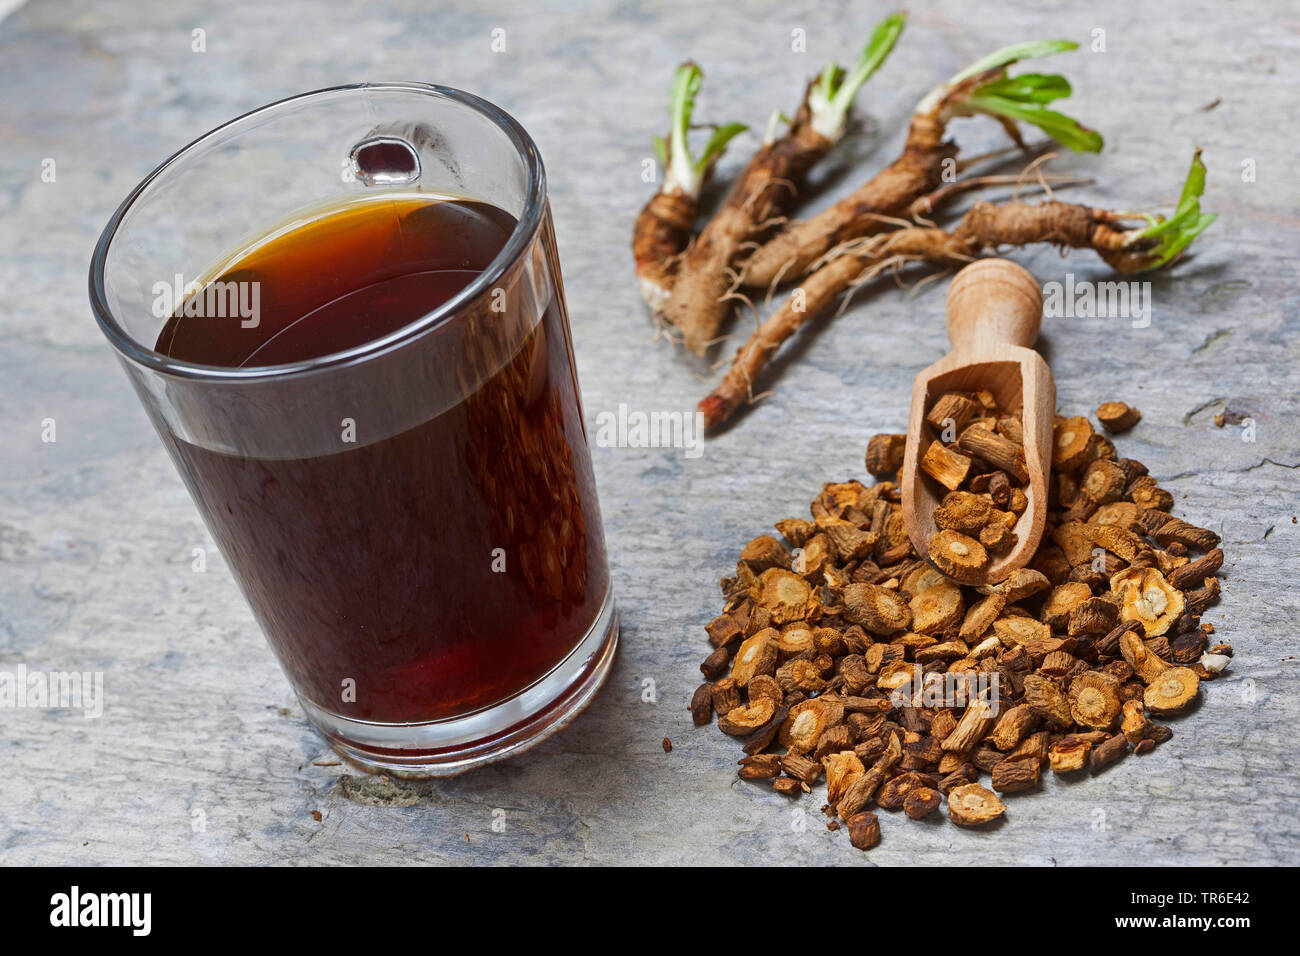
715,410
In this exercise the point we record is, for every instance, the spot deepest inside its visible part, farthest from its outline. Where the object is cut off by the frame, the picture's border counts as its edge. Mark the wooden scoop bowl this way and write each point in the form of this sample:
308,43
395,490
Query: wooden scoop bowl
994,312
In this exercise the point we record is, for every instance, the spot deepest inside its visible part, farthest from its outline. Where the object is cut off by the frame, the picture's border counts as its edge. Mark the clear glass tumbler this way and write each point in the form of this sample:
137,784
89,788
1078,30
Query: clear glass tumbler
413,519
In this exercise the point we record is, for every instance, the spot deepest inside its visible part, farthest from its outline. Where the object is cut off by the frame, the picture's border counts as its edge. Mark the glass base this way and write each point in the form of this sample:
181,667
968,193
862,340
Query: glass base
442,748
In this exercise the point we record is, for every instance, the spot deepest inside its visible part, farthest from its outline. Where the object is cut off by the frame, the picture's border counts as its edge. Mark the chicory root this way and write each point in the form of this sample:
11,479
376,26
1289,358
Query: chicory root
667,221
985,226
699,302
983,87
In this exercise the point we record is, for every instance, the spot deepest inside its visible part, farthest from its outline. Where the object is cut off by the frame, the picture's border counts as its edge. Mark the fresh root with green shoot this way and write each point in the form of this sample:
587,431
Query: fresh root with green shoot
982,88
702,289
667,222
1125,247
693,282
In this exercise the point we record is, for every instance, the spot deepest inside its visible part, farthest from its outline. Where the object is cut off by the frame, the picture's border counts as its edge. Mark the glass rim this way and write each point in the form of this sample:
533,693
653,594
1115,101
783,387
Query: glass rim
521,236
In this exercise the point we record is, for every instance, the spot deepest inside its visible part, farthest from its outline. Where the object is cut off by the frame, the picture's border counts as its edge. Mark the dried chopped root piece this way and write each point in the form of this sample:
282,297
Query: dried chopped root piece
765,552
1094,700
723,630
982,443
1146,494
948,652
1051,563
963,511
1032,747
943,724
951,412
761,686
757,655
976,721
1146,665
937,609
789,786
806,723
1093,616
1197,601
725,696
894,544
1069,754
842,770
1023,583
892,794
1119,542
859,794
885,454
1011,428
1016,773
1177,530
744,720
857,677
795,639
1047,700
1058,664
1190,575
1099,446
851,542
960,557
921,802
879,610
971,805
835,739
922,578
1070,441
1173,690
785,595
1117,417
801,768
1103,482
1134,723
831,641
1012,727
701,706
1061,602
1075,539
1122,514
898,673
838,497
1006,519
980,617
800,674
1147,598
814,558
864,830
762,738
945,466
1016,629
759,767
879,655
997,538
715,665
1107,752
796,530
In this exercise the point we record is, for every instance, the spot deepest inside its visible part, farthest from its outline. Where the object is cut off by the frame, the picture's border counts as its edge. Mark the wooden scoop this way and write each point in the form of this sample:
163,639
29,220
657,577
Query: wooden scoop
994,311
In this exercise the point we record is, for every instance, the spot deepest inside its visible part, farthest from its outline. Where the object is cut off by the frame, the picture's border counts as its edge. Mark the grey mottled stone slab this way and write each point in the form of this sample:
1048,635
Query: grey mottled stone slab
202,754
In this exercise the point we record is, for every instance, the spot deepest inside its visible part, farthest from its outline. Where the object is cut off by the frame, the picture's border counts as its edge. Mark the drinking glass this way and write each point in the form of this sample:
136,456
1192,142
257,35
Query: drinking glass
413,520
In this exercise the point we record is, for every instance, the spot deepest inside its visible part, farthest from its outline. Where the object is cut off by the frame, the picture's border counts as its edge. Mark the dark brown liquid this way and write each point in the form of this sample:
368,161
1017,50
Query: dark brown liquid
448,565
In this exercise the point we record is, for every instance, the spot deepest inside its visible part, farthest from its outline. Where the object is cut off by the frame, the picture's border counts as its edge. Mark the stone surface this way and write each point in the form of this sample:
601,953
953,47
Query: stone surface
202,754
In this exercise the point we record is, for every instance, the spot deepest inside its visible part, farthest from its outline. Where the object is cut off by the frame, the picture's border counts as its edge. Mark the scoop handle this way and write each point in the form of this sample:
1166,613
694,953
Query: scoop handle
993,302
